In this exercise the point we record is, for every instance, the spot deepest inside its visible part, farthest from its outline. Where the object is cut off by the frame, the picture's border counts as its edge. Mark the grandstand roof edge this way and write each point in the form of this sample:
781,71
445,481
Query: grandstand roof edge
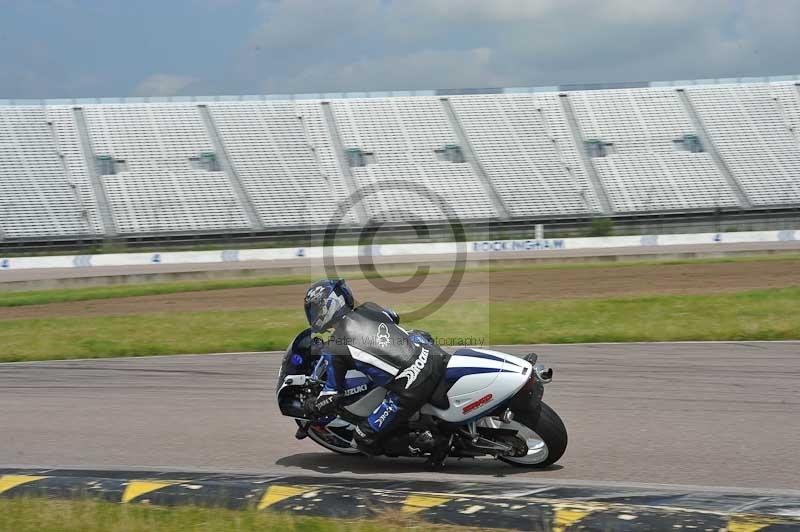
31,102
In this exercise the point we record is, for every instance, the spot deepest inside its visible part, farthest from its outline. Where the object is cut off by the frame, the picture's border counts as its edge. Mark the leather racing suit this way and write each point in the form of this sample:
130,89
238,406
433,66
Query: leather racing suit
367,339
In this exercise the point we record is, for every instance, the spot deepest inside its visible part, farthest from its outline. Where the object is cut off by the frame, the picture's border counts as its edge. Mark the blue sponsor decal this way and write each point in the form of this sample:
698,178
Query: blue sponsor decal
156,259
5,264
355,389
82,261
717,237
518,245
384,414
301,252
230,255
353,383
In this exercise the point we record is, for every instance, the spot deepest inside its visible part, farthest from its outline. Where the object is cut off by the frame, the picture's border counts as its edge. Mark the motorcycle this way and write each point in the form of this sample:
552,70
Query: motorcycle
488,403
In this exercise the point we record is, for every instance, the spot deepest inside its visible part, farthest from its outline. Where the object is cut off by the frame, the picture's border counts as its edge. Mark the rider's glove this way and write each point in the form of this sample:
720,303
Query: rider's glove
316,347
324,405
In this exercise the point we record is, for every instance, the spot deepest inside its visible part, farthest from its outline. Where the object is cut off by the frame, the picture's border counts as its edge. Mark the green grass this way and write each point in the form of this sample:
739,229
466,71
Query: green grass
16,299
40,297
756,315
43,515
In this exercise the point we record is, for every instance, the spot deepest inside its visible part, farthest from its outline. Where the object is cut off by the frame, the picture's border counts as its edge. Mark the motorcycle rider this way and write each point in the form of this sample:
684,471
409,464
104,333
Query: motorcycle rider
369,339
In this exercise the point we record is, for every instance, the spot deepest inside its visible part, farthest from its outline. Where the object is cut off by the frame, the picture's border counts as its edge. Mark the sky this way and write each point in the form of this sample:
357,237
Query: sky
95,48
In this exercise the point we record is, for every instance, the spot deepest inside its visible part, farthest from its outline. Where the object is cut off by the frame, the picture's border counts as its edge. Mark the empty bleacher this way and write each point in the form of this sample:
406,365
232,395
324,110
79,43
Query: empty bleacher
68,144
401,137
155,187
74,169
524,145
644,170
754,127
280,153
38,194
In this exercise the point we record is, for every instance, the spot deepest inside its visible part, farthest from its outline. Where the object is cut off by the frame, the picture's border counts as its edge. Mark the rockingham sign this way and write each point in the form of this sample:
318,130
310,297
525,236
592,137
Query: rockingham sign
517,245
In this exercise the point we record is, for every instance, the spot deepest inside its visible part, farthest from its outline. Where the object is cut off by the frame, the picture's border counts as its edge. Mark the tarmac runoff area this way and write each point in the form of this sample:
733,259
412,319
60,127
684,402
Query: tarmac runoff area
648,423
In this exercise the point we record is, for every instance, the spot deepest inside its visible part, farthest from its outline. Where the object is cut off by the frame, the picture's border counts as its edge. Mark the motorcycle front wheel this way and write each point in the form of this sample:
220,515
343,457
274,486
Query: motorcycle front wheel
333,439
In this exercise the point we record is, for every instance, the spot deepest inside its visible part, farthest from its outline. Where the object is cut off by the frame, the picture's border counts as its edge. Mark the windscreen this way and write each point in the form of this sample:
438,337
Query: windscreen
297,358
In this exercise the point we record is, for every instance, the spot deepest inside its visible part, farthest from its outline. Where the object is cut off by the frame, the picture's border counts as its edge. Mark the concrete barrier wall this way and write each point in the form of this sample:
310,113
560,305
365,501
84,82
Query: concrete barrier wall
388,250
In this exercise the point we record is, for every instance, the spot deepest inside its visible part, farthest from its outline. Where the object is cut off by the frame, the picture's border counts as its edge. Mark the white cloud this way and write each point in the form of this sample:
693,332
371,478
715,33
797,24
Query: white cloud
315,46
309,23
419,70
162,85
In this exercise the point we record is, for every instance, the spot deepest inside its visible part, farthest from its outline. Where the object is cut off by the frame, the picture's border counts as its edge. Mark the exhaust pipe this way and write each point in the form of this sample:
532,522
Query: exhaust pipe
544,375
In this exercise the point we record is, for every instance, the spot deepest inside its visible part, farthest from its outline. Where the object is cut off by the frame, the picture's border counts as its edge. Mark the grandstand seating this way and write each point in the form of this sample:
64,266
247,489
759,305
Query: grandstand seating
752,130
38,195
69,169
644,171
524,144
271,150
403,134
68,144
158,190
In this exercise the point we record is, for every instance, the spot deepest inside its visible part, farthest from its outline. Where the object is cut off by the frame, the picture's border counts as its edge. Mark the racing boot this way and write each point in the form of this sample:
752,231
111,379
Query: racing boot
365,439
439,454
424,443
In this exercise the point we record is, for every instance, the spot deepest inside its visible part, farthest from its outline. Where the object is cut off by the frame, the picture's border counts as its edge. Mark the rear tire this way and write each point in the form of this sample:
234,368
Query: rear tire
550,430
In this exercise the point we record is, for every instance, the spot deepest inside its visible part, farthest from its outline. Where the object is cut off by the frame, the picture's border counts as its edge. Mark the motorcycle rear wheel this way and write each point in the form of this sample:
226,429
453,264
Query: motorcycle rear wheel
546,438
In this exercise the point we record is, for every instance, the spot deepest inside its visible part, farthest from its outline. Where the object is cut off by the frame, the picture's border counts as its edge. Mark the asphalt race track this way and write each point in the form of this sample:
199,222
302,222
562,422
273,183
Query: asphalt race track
706,414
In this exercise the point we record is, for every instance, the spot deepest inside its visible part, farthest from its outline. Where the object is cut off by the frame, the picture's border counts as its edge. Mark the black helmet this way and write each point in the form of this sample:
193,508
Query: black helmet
327,301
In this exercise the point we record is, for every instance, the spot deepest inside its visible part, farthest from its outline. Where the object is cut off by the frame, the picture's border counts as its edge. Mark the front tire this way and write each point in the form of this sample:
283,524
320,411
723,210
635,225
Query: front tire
333,444
545,434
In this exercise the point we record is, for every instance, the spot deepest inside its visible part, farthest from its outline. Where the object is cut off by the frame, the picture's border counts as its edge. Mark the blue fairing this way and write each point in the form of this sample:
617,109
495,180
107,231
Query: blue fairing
356,388
350,385
377,376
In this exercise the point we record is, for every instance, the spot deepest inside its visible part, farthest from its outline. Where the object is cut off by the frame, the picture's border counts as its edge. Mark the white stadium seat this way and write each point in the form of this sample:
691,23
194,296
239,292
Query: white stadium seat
755,128
183,167
403,134
41,192
523,143
645,172
158,190
272,147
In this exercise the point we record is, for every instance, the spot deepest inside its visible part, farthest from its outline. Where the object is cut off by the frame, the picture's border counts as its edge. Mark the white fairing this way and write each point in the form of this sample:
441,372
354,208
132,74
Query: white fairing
476,393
